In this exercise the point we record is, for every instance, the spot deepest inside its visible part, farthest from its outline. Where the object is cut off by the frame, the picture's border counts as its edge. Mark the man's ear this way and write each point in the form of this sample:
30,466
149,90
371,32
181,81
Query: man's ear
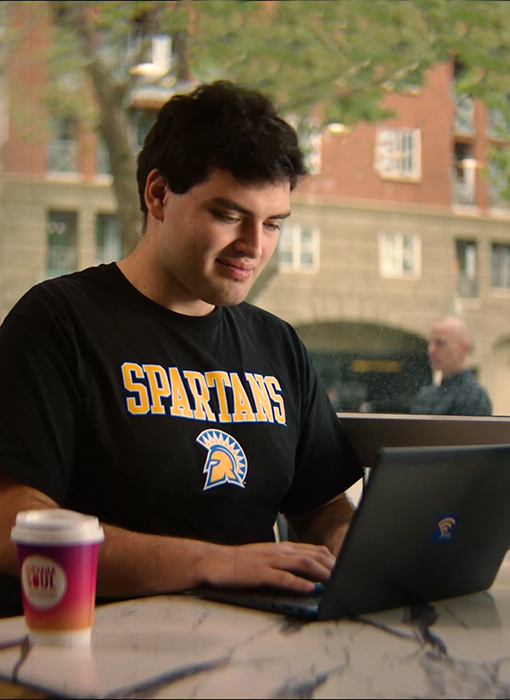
154,194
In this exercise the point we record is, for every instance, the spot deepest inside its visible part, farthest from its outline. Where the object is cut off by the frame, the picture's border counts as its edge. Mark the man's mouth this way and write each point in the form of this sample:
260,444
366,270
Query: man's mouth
236,270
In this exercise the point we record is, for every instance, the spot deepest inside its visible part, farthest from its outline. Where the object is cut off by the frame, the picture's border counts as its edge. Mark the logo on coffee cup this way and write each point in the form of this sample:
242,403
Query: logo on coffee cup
44,581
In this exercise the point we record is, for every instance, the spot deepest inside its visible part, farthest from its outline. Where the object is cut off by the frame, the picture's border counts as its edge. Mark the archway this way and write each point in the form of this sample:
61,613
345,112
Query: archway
368,366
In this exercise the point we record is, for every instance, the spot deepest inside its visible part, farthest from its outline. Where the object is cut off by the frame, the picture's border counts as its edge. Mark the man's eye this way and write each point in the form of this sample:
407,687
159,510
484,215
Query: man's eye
227,218
272,226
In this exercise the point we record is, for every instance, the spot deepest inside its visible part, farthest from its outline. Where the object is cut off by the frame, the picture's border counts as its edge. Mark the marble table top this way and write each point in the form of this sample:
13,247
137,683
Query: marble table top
182,647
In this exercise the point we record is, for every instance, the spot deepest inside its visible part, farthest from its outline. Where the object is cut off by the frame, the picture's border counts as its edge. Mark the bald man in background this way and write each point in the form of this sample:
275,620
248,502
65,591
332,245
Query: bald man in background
459,394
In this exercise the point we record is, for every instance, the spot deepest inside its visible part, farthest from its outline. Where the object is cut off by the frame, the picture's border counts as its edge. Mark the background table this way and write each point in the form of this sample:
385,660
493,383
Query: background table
177,646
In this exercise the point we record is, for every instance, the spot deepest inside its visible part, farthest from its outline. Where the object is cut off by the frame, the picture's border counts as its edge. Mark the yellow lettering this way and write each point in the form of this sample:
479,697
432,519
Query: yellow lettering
180,403
242,408
219,380
130,370
273,385
201,396
262,401
158,385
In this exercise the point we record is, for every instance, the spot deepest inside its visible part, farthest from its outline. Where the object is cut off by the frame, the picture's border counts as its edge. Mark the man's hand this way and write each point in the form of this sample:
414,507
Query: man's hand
290,565
326,525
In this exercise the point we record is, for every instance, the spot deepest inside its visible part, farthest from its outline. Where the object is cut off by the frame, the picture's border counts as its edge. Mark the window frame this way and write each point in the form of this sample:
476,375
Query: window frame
398,154
399,239
294,231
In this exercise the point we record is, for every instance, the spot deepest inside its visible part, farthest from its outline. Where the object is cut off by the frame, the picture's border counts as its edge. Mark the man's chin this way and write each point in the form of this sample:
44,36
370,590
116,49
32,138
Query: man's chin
228,297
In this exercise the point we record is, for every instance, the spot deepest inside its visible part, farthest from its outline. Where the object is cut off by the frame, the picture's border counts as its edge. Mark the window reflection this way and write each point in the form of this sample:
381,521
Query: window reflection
402,221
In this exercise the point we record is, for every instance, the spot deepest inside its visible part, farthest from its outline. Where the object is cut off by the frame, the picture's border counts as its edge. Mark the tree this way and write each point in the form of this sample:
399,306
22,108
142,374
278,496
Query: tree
322,60
479,38
338,55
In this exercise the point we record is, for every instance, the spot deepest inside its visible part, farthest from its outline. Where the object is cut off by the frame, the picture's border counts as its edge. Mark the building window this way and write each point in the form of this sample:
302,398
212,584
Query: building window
466,253
498,126
108,238
498,172
399,255
61,243
310,141
464,176
500,266
398,154
102,158
464,117
63,146
143,119
298,248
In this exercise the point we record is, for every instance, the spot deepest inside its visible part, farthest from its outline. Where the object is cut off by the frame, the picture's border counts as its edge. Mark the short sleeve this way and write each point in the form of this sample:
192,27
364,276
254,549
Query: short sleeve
326,463
39,396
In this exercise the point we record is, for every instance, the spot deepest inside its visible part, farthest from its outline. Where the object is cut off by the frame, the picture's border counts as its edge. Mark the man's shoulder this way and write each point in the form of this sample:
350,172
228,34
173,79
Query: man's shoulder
61,296
252,314
66,286
429,390
469,381
468,377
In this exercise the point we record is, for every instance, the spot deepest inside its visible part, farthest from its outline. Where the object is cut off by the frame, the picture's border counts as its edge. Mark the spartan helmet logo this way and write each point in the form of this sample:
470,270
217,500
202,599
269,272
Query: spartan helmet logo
226,462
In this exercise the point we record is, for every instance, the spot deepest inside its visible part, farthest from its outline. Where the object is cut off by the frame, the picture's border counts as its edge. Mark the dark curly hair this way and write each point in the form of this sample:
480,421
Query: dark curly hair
219,125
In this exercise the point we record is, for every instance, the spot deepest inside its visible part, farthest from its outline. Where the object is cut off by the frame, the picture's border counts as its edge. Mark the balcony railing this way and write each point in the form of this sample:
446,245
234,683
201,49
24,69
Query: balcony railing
102,160
467,286
63,157
463,192
60,260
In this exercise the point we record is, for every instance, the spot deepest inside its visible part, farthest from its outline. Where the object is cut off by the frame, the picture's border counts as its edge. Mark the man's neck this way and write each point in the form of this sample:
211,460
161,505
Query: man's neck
145,274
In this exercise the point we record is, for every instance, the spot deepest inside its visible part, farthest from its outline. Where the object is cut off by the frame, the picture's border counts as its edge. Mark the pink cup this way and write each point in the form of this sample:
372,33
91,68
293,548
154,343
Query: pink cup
57,558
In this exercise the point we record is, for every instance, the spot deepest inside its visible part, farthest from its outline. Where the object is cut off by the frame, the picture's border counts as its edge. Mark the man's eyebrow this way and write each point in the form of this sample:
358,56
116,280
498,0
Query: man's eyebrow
230,204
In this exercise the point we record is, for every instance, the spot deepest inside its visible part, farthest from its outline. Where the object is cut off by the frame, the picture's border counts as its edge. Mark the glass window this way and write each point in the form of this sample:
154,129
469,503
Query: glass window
63,146
464,186
61,257
500,268
102,158
499,193
143,119
399,255
108,238
398,153
466,256
298,248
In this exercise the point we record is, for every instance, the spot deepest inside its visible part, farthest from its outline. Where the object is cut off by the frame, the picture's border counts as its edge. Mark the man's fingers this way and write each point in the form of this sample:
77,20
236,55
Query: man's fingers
304,566
310,553
290,581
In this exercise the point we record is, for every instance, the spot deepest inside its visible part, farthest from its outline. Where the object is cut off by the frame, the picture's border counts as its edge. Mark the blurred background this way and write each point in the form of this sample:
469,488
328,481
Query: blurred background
402,107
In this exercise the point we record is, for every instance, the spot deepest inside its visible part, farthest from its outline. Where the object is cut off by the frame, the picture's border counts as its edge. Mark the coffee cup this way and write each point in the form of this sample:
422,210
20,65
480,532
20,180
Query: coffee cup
57,559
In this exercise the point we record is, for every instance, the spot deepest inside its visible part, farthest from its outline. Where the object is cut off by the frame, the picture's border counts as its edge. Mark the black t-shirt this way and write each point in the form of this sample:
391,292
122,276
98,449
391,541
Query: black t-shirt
198,427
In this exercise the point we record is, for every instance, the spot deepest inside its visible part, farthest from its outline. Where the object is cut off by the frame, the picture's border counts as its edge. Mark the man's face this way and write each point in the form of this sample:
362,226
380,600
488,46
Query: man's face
447,351
214,240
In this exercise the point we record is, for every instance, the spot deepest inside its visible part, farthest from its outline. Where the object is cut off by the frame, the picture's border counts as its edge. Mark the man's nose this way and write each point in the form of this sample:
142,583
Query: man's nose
250,239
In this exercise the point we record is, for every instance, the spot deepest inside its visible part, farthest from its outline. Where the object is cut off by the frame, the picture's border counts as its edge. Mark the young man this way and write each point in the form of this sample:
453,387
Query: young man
459,393
147,393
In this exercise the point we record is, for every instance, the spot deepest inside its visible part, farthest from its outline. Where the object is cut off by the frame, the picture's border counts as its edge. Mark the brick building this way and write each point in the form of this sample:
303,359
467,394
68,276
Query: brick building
401,223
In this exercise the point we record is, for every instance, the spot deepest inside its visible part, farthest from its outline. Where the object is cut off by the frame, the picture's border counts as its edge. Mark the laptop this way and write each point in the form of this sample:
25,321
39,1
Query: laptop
369,432
433,523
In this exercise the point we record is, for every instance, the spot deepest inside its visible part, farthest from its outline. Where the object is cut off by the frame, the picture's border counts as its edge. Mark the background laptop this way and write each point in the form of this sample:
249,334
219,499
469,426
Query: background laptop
369,432
433,523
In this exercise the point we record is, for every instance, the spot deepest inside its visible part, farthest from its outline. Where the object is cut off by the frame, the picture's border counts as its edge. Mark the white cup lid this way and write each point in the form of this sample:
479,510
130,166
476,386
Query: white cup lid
56,526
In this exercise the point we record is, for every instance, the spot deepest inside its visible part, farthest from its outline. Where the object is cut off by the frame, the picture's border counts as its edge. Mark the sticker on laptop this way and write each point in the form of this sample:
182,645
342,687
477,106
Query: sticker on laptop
445,527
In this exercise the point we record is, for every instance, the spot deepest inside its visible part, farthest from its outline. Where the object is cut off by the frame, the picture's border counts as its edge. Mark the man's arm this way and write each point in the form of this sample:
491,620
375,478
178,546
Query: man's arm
326,525
133,564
